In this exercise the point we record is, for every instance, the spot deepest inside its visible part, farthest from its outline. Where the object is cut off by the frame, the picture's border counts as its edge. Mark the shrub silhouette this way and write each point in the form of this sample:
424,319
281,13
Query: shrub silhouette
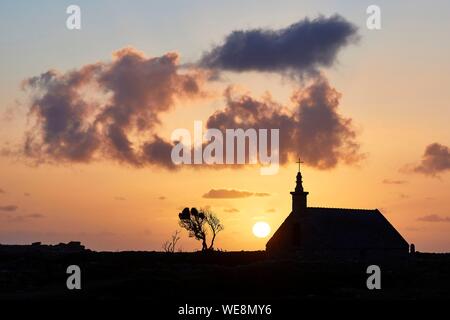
170,245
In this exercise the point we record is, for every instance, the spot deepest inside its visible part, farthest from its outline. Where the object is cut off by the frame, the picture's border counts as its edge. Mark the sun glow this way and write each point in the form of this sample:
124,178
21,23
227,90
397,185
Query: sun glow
261,229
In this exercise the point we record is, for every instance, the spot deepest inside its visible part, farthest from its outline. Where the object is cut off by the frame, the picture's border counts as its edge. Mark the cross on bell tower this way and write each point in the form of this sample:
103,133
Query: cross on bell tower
299,161
299,203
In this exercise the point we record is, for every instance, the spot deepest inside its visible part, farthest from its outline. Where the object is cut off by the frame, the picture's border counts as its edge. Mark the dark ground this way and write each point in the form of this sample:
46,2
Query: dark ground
217,276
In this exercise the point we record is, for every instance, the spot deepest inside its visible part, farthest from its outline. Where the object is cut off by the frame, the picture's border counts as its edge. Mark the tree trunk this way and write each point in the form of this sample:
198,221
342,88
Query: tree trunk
212,242
204,245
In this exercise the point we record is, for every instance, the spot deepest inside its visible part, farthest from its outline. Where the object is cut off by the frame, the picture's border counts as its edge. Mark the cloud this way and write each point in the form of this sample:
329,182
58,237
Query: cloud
313,129
162,198
107,110
158,152
231,194
389,181
301,48
113,110
2,191
9,208
34,215
226,194
23,217
27,194
231,210
414,229
434,218
261,194
435,160
270,210
70,128
119,198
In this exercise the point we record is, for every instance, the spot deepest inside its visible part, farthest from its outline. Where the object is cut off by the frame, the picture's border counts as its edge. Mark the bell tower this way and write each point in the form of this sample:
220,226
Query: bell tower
299,203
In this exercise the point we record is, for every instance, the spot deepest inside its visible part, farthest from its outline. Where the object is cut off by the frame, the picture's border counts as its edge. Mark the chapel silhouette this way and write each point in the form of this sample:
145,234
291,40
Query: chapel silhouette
335,232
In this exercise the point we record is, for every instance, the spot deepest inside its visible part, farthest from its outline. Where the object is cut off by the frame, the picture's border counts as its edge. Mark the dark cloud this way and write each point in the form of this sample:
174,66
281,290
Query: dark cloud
61,131
434,218
2,191
231,210
231,194
107,110
435,160
313,129
113,110
119,198
9,208
158,152
69,128
162,198
302,47
27,194
389,181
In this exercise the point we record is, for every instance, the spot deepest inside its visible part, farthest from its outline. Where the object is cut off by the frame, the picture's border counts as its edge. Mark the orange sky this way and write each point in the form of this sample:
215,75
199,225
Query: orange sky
394,89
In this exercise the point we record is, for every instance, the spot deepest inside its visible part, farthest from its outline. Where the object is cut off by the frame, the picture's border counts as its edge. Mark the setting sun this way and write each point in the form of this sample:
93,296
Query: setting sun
261,229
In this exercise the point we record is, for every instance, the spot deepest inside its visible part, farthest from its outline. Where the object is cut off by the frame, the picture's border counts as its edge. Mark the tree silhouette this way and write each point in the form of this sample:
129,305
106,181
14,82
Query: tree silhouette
194,222
197,223
214,224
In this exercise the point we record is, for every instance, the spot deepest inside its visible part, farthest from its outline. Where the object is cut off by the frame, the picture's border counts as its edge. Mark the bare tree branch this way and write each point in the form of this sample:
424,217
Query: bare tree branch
214,224
170,245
